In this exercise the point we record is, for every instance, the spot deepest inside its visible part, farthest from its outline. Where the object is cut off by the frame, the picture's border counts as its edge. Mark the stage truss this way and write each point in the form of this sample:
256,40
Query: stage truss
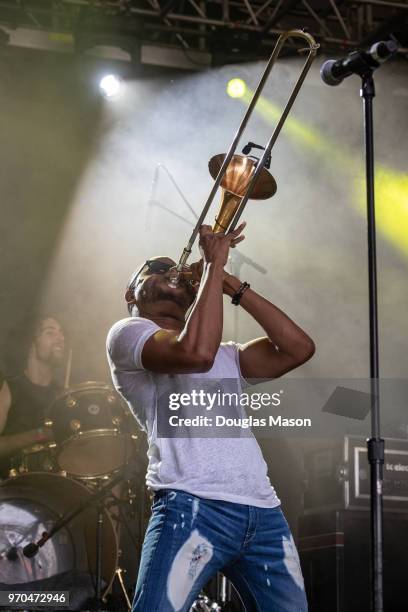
214,32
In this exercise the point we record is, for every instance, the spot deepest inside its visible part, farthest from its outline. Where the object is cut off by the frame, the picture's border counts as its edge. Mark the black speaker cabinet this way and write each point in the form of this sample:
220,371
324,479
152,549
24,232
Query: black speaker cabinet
334,549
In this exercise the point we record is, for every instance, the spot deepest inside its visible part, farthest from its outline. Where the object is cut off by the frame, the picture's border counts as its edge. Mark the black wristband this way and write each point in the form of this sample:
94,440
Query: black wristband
236,298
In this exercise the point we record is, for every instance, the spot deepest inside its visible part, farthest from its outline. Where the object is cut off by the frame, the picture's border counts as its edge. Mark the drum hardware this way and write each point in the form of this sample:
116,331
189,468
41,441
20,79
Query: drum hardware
75,426
99,553
121,518
119,572
219,595
70,402
204,604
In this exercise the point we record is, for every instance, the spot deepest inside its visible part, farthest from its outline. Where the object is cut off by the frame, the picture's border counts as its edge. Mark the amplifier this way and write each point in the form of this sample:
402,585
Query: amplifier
334,550
337,475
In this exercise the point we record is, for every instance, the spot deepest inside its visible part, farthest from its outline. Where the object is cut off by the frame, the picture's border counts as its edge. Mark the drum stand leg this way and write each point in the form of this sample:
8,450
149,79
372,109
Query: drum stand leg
223,591
119,576
99,549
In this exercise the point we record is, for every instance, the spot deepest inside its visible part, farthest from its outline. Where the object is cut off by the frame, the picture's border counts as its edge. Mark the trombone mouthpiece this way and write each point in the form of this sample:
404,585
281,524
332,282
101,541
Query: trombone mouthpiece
174,279
179,272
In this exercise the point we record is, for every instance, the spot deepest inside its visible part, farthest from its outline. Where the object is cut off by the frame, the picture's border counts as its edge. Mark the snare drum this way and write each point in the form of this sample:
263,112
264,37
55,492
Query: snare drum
92,429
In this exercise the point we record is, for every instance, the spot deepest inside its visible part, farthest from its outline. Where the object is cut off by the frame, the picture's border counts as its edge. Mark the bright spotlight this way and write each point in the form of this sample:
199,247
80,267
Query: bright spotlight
236,88
110,85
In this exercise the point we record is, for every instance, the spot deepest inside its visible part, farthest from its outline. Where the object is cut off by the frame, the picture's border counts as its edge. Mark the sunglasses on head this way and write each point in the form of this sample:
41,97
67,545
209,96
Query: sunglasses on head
155,266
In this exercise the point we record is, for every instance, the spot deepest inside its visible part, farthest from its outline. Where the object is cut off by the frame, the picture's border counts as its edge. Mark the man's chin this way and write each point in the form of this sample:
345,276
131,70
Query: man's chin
57,360
176,296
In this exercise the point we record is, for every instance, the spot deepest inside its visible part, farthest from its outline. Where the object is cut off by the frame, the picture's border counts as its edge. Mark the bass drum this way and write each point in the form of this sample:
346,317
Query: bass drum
31,504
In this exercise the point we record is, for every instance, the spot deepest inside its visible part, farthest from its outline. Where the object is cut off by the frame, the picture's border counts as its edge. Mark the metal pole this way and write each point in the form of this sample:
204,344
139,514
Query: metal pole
375,445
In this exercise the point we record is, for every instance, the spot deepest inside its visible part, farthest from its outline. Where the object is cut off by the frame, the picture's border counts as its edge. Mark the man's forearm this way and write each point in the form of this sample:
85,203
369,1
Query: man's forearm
280,329
14,443
203,330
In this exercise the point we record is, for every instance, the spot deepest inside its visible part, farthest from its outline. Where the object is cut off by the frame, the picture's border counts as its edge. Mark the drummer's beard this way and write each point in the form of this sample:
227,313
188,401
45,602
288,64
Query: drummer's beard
53,357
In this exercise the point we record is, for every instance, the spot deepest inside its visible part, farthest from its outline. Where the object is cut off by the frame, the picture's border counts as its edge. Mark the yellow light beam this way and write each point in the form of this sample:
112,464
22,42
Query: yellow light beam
391,187
391,205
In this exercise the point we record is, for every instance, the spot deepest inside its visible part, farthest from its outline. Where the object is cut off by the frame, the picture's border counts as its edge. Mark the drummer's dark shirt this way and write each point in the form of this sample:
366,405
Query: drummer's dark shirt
28,409
29,404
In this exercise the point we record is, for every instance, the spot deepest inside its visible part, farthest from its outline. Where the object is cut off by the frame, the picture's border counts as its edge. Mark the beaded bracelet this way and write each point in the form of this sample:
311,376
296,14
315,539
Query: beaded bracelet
236,298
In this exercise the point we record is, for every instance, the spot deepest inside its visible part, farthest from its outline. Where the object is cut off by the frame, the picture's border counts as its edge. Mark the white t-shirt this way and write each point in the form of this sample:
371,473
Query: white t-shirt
229,469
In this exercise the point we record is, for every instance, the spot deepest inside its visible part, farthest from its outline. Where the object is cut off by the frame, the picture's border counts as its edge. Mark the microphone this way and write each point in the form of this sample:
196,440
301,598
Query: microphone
358,62
151,201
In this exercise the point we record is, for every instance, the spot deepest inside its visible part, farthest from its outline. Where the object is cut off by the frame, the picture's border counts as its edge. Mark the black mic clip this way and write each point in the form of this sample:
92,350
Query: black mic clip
252,145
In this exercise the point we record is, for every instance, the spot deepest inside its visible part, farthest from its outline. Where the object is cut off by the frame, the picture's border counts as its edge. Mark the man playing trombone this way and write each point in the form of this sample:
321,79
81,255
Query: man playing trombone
214,508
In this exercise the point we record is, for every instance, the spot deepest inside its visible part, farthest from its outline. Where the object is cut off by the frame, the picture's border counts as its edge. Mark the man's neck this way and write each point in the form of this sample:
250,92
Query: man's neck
39,373
168,323
163,318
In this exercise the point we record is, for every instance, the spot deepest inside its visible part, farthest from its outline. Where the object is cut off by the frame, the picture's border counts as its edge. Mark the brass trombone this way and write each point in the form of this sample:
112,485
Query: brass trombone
240,177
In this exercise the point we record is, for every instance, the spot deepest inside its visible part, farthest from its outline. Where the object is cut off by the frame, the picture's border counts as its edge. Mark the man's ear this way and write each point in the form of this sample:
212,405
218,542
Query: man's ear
130,296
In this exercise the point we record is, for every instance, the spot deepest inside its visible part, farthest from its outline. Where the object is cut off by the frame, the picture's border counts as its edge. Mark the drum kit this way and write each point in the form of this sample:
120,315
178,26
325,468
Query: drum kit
67,506
62,506
70,495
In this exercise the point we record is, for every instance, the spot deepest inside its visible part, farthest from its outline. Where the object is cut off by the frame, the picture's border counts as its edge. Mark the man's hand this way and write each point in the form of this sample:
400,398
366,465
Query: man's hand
196,270
214,247
230,283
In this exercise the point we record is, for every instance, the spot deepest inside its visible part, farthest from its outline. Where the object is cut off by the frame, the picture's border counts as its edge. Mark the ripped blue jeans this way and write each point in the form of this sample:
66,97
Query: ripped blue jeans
190,539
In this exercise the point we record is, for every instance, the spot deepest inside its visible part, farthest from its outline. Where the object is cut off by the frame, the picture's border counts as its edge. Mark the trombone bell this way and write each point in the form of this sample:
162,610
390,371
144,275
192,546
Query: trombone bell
234,186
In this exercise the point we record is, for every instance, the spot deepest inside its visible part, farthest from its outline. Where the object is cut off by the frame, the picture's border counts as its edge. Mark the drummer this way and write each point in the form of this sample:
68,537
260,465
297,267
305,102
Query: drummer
34,351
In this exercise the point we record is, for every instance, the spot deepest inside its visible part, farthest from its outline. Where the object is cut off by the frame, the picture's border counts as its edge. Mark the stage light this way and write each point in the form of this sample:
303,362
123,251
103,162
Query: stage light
110,85
236,88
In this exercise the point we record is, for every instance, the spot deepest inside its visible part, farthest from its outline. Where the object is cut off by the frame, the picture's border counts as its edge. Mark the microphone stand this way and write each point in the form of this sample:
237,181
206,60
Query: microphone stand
375,445
364,65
